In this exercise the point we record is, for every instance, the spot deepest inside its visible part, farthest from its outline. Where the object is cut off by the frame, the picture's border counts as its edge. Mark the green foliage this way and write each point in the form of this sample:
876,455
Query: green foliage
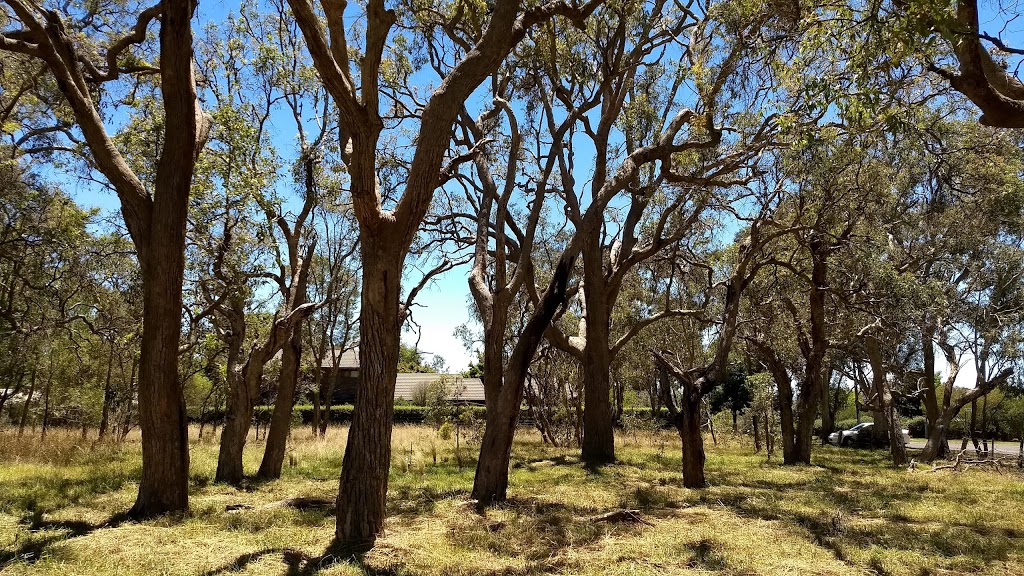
411,361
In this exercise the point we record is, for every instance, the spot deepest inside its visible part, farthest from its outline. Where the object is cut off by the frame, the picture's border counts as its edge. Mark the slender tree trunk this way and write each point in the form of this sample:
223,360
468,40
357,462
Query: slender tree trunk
126,418
28,401
108,392
757,433
364,474
46,396
315,417
281,421
328,395
973,435
827,415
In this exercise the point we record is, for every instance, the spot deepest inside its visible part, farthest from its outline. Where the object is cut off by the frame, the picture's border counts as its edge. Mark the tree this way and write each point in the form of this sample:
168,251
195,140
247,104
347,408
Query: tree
734,395
388,223
155,214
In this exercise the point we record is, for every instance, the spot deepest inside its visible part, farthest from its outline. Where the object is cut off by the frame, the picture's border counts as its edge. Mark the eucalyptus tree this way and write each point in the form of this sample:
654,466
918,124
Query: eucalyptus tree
392,186
813,311
976,53
330,331
568,101
640,90
79,46
958,237
258,249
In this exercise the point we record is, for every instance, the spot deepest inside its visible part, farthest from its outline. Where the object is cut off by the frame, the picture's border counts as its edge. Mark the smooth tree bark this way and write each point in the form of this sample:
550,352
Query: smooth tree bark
155,216
990,86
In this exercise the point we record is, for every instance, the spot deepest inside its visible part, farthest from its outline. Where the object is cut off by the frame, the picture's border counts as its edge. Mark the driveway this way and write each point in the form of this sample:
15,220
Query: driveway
1003,448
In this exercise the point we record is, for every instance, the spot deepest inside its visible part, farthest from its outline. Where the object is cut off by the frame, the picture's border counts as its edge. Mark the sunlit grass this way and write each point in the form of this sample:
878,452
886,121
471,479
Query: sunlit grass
850,513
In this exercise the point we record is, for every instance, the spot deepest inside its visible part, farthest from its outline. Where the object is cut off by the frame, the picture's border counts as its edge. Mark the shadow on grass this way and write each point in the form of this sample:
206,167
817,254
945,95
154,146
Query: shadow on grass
299,563
33,549
533,530
849,508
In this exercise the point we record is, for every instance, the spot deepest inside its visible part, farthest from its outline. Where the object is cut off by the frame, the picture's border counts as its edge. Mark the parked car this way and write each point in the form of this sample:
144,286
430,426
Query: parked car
859,435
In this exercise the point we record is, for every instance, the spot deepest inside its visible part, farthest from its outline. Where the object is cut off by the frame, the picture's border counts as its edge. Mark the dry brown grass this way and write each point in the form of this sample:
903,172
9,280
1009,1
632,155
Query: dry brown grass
848,514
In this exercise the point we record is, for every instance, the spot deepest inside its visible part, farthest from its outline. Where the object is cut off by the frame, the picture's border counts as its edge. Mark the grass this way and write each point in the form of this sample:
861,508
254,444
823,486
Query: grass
850,513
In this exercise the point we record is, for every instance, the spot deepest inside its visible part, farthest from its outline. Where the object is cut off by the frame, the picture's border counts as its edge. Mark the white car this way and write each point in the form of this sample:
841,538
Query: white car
859,435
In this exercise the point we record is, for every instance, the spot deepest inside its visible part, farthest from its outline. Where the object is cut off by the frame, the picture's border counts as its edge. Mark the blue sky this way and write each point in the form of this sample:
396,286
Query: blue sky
444,304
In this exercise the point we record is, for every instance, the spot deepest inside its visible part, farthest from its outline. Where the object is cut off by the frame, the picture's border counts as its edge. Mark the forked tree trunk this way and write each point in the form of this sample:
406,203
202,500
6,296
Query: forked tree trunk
281,421
814,352
235,432
784,384
328,400
504,390
490,483
364,473
937,446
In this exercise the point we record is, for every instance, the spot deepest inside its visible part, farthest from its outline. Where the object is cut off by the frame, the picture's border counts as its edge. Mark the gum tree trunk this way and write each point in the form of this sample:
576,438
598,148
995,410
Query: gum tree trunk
689,428
505,396
281,421
164,485
598,434
364,473
28,400
243,388
108,393
598,431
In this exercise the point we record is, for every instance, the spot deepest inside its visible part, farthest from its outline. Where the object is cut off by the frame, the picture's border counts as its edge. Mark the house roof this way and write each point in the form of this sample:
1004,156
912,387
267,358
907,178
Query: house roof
461,388
349,359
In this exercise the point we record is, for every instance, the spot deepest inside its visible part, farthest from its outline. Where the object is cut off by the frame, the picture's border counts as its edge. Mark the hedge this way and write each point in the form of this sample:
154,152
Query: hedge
408,414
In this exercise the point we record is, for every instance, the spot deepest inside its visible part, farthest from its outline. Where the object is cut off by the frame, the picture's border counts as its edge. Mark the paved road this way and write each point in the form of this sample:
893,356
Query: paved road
1005,448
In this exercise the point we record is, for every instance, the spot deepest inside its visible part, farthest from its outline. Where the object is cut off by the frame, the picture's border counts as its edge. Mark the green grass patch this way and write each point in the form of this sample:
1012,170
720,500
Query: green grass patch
849,513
